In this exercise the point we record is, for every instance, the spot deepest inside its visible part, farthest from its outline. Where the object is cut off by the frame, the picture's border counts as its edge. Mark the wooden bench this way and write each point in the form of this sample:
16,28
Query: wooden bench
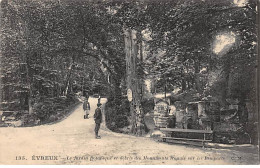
190,141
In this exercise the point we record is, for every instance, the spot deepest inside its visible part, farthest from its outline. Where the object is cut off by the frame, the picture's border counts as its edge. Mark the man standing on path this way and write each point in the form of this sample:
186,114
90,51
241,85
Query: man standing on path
98,119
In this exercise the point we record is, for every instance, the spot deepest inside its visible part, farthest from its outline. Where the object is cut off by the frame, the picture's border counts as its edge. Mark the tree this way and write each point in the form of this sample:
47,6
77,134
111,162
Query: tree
184,32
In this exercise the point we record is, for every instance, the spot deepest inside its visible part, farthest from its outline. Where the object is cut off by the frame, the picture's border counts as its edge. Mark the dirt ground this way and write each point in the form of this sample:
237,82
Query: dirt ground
72,141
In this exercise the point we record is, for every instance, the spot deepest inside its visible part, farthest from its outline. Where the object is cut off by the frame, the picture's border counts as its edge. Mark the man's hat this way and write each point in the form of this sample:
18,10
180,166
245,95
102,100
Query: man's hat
99,104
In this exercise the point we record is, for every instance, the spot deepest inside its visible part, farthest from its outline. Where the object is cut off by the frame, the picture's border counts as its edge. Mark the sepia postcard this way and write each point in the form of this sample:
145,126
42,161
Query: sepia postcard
129,82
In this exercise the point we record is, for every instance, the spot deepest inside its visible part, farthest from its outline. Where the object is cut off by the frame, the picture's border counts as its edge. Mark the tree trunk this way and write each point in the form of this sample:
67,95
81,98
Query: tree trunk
196,77
183,85
28,74
133,82
140,63
183,80
30,105
227,71
68,77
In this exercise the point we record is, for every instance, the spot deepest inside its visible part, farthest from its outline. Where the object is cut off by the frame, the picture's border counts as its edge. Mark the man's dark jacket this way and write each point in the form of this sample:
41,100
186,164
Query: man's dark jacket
98,116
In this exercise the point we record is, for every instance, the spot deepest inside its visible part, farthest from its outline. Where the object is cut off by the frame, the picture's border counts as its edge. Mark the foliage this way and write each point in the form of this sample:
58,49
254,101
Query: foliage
148,105
48,110
182,46
59,47
117,114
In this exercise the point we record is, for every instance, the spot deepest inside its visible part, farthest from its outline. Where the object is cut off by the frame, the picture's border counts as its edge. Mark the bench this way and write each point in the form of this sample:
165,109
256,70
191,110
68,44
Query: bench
190,141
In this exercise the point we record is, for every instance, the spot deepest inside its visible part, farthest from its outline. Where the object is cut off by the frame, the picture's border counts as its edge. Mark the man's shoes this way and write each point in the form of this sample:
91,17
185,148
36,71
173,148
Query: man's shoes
98,137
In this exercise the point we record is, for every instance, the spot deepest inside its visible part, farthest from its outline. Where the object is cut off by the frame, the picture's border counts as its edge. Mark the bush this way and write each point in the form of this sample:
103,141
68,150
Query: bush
53,118
148,105
117,113
121,121
29,120
48,110
43,109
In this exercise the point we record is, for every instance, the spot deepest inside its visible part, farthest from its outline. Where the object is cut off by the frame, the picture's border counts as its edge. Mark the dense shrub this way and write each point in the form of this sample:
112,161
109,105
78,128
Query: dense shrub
121,121
30,120
117,113
148,105
47,110
43,110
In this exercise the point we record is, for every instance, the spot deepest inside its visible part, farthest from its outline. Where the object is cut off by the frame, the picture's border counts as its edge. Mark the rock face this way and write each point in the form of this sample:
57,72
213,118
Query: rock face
157,134
149,121
17,123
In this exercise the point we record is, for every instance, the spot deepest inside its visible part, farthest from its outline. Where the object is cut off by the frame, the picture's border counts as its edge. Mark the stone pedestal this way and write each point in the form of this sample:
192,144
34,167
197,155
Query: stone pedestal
192,111
179,105
202,109
252,114
180,114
